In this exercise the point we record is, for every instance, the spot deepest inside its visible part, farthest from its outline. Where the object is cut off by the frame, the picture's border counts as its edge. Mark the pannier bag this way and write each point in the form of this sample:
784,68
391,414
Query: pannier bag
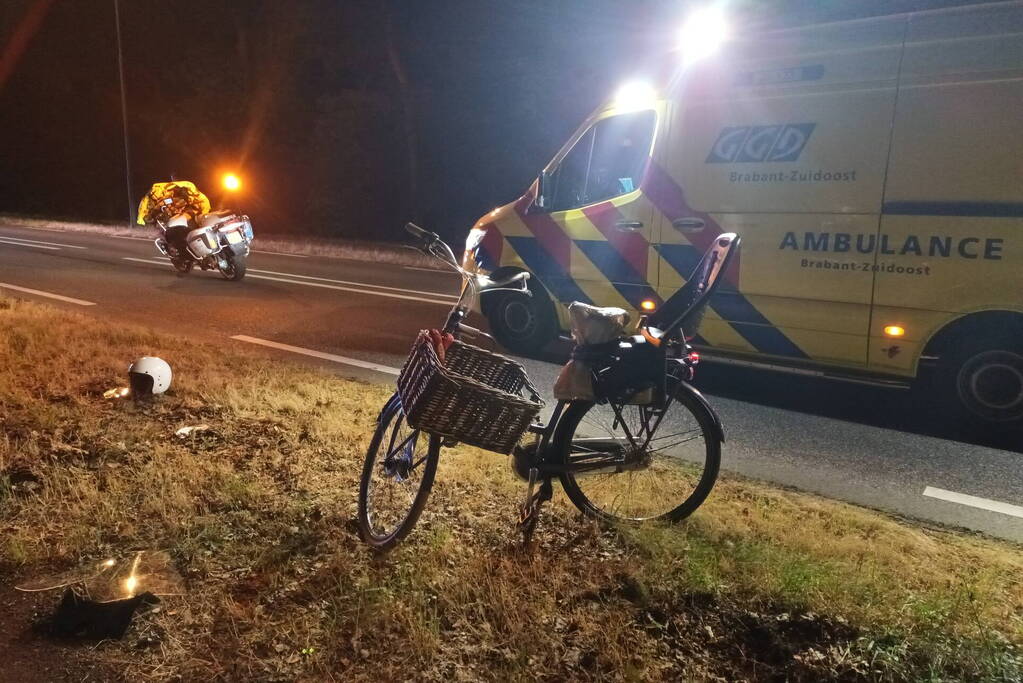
592,328
631,373
606,364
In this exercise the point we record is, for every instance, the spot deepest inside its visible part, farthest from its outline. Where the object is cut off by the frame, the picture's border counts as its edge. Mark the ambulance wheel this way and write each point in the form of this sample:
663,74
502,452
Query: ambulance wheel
523,323
983,380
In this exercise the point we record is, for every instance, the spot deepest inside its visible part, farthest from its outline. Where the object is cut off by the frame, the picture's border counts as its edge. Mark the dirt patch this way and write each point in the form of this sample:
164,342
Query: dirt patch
767,642
29,655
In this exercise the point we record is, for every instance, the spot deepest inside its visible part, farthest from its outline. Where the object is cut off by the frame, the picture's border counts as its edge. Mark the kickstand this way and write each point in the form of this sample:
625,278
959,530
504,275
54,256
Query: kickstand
529,511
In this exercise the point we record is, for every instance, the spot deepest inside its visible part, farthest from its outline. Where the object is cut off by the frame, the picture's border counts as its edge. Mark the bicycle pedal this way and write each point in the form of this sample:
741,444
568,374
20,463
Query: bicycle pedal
525,515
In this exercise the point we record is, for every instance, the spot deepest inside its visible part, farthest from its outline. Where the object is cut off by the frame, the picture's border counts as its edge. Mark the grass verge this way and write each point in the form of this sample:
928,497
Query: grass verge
761,584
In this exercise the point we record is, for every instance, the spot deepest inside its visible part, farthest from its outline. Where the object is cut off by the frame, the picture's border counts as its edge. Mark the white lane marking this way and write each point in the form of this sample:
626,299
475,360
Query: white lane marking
32,243
359,284
150,261
974,501
452,297
279,253
318,354
22,244
324,285
351,289
49,295
127,237
429,270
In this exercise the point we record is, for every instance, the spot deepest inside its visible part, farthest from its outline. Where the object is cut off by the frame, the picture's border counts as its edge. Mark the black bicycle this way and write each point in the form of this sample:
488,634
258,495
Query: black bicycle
645,445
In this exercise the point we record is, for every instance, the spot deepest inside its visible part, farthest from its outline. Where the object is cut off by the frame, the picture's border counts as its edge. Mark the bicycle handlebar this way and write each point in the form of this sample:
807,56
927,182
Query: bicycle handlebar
420,233
431,244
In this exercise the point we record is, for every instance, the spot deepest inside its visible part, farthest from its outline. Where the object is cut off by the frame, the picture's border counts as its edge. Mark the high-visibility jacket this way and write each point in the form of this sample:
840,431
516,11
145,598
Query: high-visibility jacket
197,202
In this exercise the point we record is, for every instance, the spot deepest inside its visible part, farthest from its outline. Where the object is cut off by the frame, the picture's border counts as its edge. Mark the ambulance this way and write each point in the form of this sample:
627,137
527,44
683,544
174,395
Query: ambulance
874,170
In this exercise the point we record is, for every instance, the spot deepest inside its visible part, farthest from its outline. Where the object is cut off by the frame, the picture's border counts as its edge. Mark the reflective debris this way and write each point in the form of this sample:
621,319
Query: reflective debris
146,571
117,392
100,599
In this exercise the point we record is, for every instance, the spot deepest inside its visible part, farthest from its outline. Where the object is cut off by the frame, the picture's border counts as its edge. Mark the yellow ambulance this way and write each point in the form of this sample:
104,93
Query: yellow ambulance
874,169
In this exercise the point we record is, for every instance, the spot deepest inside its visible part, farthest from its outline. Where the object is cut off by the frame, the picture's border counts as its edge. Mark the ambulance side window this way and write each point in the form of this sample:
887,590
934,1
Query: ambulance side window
570,176
607,161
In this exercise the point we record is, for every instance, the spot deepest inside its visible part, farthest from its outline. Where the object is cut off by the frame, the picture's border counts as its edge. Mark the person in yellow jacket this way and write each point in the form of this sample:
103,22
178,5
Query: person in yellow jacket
169,199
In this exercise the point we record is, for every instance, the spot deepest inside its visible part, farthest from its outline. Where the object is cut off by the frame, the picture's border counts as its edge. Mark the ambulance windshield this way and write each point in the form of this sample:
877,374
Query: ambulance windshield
607,161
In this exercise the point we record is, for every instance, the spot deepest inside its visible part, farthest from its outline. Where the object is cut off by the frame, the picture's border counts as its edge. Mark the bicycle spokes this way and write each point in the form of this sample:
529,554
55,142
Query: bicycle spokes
637,462
396,477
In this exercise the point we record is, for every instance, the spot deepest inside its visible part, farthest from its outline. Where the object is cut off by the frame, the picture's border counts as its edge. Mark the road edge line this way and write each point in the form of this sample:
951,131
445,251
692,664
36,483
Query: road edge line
974,501
344,360
49,295
58,245
27,244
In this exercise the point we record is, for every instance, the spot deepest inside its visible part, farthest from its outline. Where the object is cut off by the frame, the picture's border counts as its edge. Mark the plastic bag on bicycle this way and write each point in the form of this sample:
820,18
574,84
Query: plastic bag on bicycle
605,363
591,327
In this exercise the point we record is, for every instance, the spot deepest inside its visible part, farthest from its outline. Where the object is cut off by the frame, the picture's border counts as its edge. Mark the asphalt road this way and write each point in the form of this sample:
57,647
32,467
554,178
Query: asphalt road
876,447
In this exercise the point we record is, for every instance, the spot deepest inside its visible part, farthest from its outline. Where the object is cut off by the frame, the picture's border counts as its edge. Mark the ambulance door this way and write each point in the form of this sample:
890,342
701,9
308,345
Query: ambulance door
786,147
598,220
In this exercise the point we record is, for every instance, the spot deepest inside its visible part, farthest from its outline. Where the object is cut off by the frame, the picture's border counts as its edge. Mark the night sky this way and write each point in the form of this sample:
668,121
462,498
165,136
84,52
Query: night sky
318,103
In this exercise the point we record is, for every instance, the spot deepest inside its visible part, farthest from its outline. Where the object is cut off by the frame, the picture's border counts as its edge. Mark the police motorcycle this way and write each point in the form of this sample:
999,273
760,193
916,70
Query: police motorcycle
213,240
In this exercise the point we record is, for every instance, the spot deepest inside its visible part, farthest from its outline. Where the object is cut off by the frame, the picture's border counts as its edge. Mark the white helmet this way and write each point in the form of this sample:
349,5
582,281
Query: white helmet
149,375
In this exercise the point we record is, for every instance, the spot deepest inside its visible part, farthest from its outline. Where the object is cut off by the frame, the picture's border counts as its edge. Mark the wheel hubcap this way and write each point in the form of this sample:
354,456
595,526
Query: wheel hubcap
991,385
518,317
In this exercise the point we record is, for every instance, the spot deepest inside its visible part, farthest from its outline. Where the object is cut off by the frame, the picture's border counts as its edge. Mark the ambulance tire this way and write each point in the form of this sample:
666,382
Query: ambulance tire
525,324
982,382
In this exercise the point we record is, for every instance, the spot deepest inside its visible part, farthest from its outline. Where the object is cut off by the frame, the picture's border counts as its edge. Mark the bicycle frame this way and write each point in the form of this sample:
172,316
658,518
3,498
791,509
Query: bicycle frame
560,448
472,285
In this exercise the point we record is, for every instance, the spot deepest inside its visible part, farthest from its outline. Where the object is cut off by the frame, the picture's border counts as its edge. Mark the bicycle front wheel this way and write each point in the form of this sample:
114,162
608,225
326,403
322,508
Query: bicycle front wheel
396,478
629,463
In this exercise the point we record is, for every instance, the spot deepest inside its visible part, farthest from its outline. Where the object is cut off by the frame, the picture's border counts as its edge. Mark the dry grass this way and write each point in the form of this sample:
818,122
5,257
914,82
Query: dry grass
761,584
354,250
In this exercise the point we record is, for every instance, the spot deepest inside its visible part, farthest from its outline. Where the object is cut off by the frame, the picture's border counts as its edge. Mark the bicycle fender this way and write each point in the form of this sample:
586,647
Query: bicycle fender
719,430
392,403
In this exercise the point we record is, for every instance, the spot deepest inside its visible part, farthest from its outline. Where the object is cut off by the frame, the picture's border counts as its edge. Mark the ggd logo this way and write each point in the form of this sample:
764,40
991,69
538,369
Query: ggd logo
779,142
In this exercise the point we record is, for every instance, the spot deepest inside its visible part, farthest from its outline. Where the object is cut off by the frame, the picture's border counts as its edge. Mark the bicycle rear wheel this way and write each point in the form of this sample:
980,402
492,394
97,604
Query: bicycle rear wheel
396,478
668,459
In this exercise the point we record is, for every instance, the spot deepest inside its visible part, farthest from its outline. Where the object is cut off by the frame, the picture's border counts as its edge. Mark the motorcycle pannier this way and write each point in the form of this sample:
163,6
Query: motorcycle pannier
202,242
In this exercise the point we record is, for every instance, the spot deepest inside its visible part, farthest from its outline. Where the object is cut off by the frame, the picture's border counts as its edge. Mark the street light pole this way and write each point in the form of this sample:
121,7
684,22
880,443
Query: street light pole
124,112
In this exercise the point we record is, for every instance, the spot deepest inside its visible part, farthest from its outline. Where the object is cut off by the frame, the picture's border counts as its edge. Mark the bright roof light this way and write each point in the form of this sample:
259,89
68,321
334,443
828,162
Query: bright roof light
703,33
635,95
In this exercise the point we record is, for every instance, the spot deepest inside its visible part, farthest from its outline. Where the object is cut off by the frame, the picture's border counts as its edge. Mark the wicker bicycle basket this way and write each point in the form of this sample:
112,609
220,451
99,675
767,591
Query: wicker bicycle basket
473,396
